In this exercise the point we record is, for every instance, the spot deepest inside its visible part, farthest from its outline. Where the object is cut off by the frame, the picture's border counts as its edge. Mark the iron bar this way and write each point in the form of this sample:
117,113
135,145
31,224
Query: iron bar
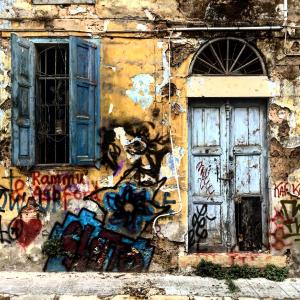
53,106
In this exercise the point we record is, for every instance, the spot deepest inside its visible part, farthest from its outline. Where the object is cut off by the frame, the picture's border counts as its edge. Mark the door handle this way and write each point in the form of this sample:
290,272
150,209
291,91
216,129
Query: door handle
226,179
229,176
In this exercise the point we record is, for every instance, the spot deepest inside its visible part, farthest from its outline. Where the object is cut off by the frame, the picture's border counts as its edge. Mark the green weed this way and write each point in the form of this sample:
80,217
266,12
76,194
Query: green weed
209,269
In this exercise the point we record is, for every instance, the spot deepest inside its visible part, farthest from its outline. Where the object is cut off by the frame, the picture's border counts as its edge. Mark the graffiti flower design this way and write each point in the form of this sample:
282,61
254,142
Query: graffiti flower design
130,210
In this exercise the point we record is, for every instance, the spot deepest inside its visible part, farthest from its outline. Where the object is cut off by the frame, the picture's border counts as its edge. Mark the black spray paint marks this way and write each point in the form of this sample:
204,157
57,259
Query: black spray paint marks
199,232
145,149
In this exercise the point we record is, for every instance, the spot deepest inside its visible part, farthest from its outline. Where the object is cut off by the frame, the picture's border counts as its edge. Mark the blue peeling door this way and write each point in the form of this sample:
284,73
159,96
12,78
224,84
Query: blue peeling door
227,182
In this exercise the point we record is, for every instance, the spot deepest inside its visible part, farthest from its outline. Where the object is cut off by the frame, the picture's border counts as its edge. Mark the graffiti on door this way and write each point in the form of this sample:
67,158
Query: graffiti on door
198,232
204,181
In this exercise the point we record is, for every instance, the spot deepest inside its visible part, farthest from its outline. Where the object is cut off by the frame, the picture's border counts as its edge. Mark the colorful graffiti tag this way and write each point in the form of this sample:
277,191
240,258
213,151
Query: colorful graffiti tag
286,225
113,245
45,193
103,230
51,191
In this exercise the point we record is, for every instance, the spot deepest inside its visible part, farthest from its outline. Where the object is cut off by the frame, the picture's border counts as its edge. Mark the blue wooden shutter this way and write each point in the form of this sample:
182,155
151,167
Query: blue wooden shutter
23,101
84,102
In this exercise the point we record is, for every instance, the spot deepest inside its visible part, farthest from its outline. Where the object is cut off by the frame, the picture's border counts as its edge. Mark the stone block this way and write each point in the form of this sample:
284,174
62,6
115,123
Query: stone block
32,297
167,297
125,297
207,298
70,297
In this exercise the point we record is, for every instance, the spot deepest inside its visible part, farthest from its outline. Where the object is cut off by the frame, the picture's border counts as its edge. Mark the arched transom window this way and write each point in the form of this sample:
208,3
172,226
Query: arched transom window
227,57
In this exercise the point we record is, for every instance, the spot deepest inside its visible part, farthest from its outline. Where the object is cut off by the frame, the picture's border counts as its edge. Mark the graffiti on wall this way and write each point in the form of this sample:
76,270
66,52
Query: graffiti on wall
112,240
283,188
114,244
28,224
32,198
52,191
291,213
144,149
89,246
25,227
285,225
4,237
131,209
58,189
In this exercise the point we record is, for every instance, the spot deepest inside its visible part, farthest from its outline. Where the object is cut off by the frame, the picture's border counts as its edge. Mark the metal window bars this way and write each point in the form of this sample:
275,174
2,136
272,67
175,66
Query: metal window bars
52,104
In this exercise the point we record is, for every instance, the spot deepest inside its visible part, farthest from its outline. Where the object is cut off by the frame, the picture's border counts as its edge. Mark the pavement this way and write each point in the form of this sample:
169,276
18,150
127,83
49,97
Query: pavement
132,286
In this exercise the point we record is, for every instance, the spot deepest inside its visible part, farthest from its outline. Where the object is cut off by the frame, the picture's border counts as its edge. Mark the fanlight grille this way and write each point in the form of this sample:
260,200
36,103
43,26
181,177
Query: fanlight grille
228,56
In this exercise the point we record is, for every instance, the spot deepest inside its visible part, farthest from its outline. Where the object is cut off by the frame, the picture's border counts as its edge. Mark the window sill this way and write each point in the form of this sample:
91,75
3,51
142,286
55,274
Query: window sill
60,167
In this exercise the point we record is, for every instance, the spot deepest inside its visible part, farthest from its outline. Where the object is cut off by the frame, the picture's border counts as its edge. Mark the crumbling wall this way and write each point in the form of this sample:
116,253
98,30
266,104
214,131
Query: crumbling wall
111,213
154,14
5,103
284,151
230,11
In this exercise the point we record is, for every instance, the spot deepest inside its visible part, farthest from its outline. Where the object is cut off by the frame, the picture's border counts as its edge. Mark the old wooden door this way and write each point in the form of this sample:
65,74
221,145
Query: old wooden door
227,175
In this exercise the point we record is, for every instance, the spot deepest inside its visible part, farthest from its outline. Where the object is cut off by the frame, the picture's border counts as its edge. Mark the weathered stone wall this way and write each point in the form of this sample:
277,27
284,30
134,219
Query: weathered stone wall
137,159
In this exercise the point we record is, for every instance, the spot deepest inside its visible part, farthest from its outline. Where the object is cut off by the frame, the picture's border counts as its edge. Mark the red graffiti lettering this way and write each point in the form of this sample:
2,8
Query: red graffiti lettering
280,189
59,188
295,189
55,179
205,184
35,178
283,188
19,187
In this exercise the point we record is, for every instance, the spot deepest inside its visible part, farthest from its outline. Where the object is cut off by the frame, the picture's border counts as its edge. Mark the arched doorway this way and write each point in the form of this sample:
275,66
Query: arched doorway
228,195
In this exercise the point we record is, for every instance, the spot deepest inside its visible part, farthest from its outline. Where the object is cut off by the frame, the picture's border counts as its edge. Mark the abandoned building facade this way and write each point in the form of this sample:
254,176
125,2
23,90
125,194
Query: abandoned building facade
146,135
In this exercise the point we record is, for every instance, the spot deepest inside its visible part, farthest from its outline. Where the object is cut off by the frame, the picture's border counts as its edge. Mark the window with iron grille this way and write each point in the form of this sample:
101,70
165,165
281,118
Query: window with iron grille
55,93
52,104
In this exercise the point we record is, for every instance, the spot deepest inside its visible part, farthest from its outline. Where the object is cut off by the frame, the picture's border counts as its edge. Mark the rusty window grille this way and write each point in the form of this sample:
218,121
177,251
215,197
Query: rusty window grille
228,57
52,104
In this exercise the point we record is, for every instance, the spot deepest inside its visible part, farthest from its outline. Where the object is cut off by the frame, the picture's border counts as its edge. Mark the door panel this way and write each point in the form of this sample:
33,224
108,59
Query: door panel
246,147
206,222
207,120
207,165
226,167
247,174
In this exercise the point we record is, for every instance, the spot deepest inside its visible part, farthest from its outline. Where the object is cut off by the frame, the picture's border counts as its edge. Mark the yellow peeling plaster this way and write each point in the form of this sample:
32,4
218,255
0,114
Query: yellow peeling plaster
4,78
